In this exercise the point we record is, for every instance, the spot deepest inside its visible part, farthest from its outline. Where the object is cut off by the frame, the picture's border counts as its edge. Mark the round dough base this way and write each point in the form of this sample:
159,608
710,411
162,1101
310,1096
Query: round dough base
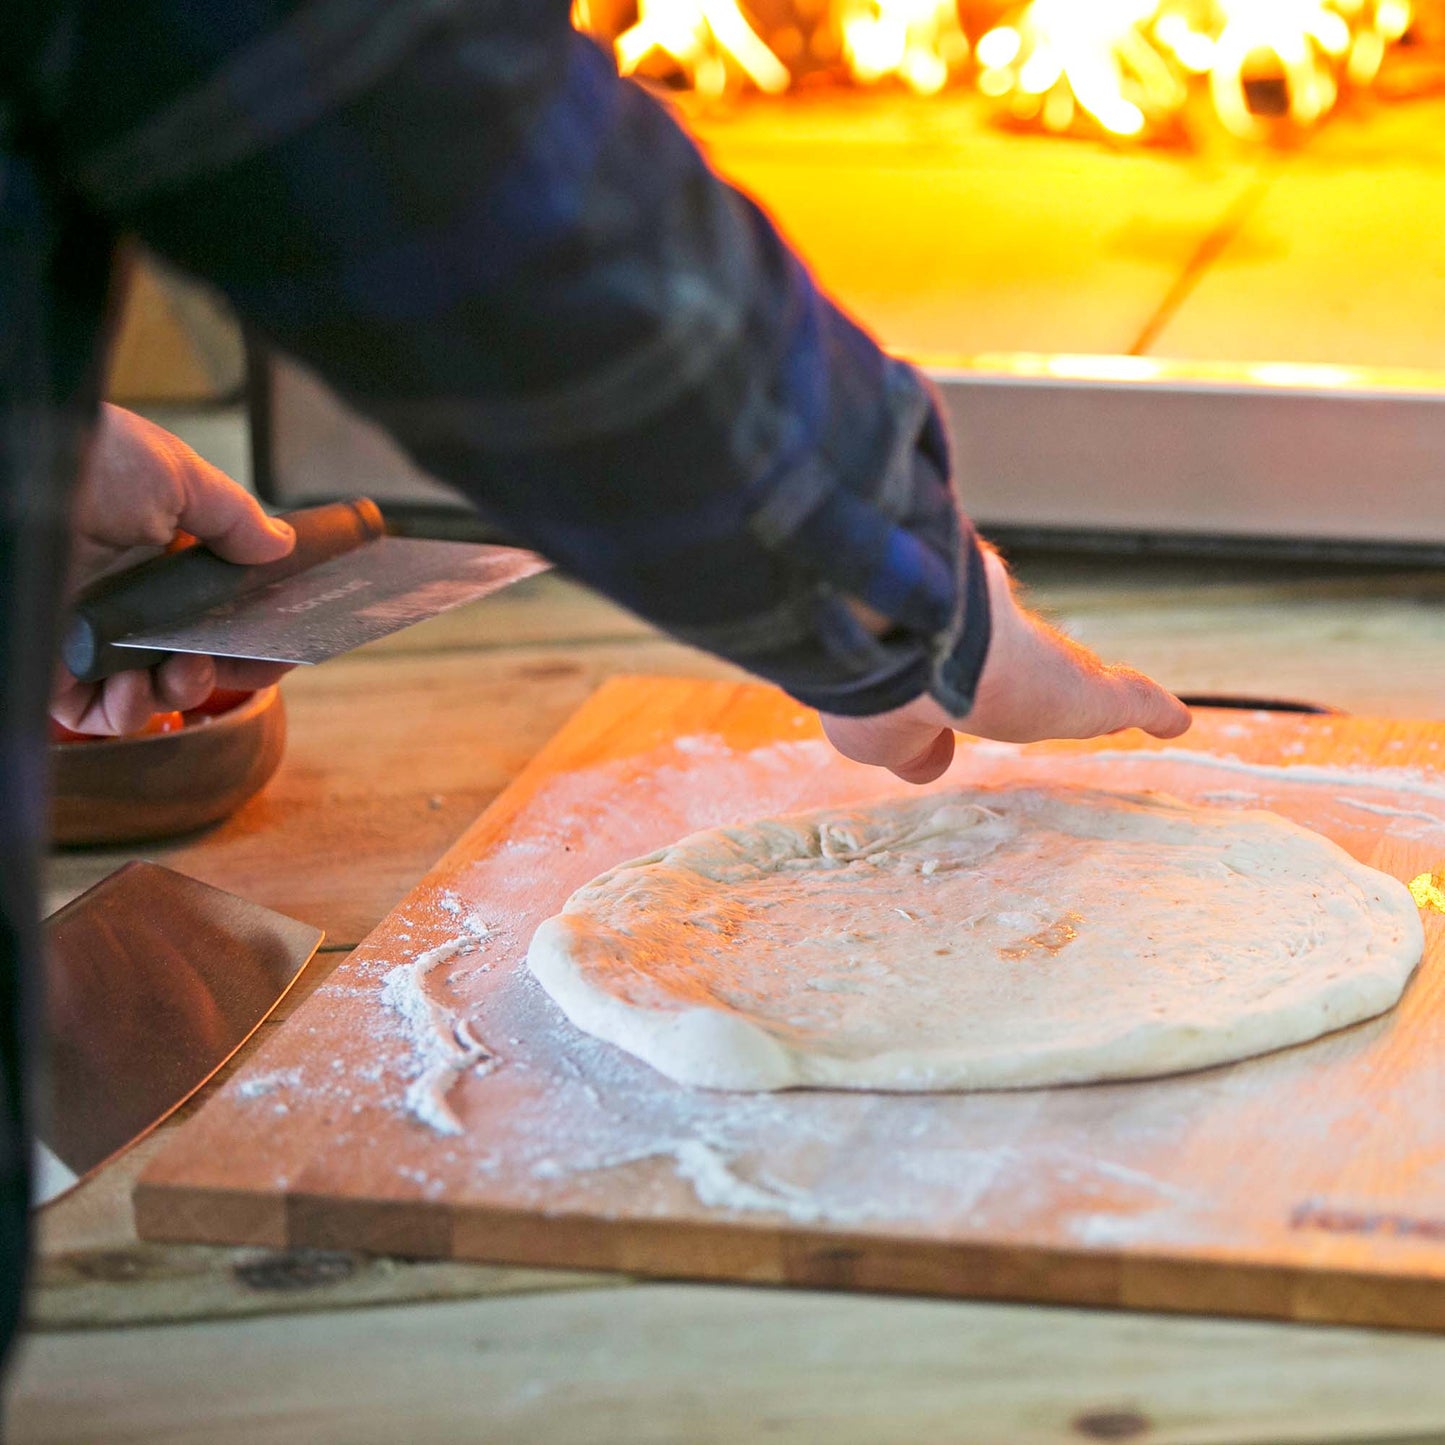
982,938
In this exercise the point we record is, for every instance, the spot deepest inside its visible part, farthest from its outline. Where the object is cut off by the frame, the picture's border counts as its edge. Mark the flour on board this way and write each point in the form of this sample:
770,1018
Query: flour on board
443,1043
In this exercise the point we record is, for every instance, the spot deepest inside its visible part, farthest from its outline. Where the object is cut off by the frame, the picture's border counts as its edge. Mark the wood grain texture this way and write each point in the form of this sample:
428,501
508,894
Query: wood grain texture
721,1366
195,1282
1302,1185
92,1273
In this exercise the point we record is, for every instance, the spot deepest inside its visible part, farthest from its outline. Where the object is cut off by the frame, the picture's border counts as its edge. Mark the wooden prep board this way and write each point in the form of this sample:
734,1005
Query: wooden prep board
1309,1184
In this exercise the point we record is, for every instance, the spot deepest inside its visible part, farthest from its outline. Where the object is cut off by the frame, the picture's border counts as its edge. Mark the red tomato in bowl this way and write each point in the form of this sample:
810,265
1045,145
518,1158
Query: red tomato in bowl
59,733
222,699
161,722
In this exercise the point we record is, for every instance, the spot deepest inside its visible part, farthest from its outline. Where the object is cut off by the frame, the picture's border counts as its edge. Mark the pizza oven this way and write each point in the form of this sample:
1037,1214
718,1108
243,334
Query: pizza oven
1176,266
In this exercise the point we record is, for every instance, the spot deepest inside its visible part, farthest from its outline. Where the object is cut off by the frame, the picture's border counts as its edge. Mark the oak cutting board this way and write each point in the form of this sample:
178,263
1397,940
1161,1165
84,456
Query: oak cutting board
429,1100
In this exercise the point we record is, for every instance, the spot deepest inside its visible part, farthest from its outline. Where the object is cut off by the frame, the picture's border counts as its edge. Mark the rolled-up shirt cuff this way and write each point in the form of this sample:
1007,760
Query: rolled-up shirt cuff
890,687
888,673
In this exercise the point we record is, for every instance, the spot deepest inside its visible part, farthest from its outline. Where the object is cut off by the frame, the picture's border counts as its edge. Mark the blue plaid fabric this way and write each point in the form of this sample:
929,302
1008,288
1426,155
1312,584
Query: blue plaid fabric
458,215
54,270
520,265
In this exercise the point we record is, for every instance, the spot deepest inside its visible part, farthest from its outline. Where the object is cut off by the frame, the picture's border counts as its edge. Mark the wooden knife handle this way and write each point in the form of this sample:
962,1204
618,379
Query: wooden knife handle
177,586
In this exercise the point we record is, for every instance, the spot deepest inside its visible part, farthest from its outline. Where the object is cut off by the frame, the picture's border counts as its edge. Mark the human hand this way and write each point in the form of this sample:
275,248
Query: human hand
141,490
1036,683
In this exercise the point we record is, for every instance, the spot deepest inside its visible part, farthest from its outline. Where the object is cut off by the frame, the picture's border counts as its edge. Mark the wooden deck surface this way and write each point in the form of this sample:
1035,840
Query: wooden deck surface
393,751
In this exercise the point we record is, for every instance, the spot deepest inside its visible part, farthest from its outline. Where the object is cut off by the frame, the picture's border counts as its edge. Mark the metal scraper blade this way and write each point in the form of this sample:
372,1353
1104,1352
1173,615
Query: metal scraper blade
153,981
356,598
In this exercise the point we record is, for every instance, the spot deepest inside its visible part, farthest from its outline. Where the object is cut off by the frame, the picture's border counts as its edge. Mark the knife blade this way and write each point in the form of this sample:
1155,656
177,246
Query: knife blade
153,981
345,583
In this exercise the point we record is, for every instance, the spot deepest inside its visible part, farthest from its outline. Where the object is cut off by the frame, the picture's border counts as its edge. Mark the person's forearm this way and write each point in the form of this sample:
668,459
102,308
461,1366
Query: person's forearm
521,267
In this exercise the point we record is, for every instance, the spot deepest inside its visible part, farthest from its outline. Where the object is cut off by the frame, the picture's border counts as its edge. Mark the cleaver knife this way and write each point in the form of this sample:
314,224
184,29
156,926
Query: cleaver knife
346,582
153,981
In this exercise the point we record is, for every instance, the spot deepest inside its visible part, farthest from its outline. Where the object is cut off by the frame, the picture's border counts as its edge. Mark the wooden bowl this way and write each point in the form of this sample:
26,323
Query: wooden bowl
128,790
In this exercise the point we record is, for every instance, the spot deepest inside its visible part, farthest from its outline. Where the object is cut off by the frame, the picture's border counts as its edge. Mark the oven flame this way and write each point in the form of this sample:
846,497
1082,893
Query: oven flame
1122,68
1058,58
919,42
706,39
1127,65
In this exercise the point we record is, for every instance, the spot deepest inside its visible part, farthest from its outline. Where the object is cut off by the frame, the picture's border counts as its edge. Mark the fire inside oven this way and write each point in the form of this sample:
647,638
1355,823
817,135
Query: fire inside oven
1177,266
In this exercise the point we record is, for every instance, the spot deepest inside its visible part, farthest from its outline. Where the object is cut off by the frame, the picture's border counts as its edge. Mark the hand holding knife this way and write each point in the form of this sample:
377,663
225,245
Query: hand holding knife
346,582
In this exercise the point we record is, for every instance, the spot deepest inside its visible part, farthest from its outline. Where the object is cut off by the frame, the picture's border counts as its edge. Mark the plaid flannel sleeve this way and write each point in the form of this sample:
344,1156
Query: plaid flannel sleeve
522,267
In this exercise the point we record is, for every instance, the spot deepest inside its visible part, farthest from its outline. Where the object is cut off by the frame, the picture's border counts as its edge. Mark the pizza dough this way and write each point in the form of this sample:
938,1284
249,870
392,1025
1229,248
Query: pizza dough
978,939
